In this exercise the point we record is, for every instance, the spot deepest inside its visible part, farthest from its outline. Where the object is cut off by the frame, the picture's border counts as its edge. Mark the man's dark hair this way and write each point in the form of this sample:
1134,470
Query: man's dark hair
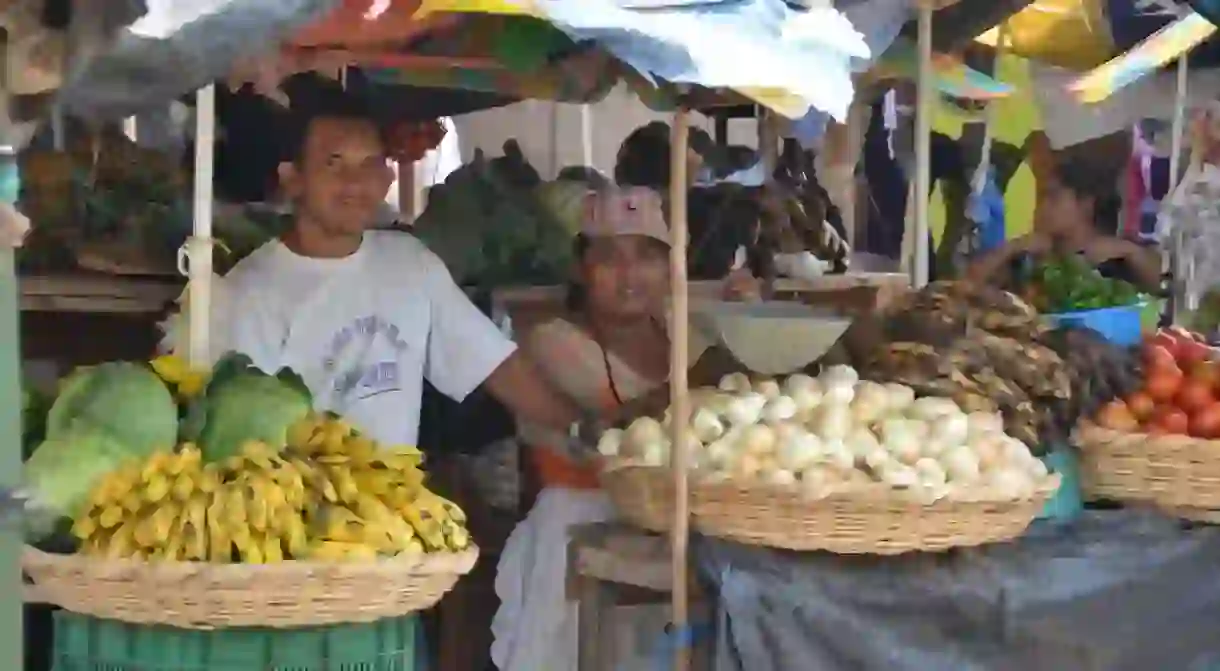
324,106
643,158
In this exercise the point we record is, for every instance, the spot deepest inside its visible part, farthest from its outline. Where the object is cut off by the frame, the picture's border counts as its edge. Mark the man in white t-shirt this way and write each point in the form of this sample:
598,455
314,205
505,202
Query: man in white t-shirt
365,316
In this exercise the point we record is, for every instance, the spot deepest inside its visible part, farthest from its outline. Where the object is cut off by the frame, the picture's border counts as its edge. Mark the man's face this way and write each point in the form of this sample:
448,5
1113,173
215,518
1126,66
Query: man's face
341,177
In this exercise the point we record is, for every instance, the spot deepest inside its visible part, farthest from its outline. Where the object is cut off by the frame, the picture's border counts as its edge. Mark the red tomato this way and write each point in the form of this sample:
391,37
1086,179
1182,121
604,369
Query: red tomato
1183,334
1162,385
1166,341
1207,372
1141,405
1192,352
1206,422
1194,396
1171,420
1157,356
1116,415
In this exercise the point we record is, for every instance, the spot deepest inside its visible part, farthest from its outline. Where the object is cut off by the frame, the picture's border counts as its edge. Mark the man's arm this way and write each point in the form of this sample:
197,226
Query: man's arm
715,363
465,350
986,266
519,385
1145,264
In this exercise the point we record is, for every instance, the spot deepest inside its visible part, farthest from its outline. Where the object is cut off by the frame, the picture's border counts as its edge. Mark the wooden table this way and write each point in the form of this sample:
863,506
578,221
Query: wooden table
97,293
613,564
82,318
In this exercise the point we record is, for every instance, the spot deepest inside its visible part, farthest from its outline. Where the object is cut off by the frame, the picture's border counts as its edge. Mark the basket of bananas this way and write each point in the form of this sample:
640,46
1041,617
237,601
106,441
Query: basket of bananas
323,526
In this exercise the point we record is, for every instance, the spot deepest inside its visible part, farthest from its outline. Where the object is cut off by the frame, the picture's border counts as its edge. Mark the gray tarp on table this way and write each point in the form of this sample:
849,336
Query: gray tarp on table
1120,591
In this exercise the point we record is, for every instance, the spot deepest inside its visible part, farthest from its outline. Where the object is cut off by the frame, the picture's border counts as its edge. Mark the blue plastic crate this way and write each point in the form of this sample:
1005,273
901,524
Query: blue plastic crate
1120,325
1068,502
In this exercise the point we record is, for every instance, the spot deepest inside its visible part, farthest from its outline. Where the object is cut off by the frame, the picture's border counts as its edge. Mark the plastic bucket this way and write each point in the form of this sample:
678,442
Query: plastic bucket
1121,325
1067,503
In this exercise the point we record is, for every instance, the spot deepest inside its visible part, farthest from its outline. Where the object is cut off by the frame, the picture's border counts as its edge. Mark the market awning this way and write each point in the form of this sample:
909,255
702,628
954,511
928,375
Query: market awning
763,49
179,47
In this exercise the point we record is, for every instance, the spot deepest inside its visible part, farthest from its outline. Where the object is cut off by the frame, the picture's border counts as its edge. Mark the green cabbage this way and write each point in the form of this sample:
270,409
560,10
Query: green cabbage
104,416
242,403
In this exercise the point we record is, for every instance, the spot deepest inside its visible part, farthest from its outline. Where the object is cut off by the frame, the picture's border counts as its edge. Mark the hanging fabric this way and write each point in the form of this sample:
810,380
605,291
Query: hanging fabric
985,205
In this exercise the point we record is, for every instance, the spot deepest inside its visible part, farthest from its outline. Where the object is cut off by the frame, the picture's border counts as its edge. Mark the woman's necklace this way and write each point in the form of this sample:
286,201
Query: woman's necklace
597,338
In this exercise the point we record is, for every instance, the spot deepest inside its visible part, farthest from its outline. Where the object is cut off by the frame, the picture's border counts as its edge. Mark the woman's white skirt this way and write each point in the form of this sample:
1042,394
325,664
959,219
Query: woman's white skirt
535,627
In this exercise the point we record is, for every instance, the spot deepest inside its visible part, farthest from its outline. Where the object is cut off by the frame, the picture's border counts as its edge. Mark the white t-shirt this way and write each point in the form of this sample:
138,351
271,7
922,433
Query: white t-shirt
364,331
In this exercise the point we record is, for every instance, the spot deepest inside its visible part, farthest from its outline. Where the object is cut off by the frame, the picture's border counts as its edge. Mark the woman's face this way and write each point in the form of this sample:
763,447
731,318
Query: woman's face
1061,211
626,276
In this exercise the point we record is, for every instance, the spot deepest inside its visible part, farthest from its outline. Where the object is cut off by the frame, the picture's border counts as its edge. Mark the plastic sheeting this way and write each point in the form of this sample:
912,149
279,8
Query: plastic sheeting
178,47
1115,591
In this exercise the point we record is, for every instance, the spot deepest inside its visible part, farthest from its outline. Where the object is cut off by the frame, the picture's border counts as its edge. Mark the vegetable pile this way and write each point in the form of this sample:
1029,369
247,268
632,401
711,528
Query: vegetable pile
1070,284
160,462
990,352
835,435
1179,391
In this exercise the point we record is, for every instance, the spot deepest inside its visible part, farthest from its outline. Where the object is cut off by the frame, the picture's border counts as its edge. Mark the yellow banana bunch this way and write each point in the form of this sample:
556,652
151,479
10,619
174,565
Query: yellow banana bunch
175,372
333,494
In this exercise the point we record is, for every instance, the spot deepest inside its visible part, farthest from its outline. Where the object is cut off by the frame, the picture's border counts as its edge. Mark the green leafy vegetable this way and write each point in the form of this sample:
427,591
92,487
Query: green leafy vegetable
104,416
1070,284
242,403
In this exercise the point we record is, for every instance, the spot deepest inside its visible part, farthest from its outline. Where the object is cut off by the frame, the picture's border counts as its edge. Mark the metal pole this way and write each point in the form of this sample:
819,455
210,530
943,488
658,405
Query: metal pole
199,246
923,146
1179,124
11,538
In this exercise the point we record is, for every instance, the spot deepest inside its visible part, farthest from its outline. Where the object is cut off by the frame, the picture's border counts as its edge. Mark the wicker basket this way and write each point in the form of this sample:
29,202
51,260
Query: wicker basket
1169,471
194,595
868,520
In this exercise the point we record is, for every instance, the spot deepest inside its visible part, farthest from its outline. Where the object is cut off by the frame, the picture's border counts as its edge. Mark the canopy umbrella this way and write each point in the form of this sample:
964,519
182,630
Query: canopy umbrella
760,48
1132,23
957,24
1065,33
179,47
1209,9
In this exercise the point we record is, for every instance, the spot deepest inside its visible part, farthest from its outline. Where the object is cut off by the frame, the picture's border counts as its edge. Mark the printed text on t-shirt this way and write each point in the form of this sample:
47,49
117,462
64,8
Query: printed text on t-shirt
362,359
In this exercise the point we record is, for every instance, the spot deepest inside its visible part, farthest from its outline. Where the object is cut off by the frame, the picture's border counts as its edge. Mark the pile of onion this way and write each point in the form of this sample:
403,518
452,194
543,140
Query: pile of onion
835,433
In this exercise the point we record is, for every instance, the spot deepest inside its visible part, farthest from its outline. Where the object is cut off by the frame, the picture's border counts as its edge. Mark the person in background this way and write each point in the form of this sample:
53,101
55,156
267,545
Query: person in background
365,316
609,352
643,158
1077,213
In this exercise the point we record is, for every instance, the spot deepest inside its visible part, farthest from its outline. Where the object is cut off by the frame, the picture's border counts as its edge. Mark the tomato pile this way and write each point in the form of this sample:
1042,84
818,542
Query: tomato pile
1181,391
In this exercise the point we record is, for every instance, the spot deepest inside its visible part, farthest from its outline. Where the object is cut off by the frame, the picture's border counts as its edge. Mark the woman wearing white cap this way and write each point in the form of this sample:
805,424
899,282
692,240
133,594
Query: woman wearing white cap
610,348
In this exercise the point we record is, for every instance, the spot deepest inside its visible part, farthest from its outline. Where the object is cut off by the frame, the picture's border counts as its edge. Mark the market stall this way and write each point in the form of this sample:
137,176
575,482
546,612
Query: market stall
936,425
754,477
199,529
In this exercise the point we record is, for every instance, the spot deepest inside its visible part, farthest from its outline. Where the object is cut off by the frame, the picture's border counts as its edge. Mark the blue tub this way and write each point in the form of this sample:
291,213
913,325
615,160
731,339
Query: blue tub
1067,503
1121,325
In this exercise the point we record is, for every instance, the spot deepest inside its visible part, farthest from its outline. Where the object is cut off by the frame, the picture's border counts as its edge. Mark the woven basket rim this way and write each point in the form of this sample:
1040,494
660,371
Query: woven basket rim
871,495
1088,434
426,563
881,522
199,595
1176,472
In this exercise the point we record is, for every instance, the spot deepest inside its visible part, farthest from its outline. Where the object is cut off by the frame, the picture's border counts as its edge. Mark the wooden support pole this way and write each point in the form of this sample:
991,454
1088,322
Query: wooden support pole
679,394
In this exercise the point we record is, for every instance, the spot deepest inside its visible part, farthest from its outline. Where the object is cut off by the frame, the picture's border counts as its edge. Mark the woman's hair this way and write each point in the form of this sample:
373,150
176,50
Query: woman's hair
1087,180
